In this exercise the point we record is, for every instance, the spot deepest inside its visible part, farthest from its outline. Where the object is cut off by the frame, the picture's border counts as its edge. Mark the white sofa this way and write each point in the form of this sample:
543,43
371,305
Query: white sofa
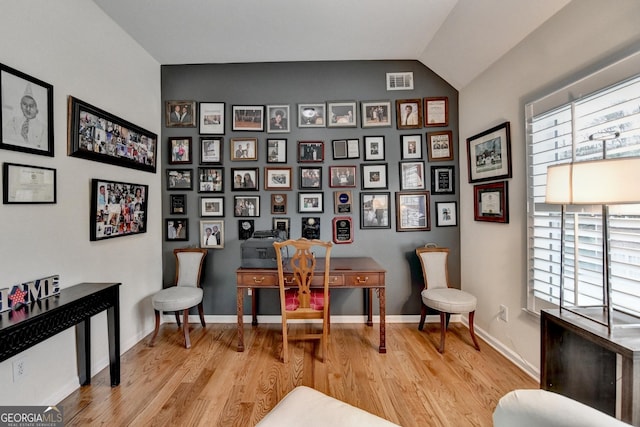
541,408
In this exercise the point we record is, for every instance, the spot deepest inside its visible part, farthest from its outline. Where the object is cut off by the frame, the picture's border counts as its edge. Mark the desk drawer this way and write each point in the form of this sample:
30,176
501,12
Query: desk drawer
258,279
364,279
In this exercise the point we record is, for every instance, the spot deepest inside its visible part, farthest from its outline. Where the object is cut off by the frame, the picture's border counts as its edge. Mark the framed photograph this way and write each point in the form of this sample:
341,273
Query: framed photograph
443,180
176,229
310,227
278,178
310,151
211,151
244,179
491,202
374,176
409,113
310,178
312,115
342,176
279,119
180,114
412,176
279,203
440,146
210,180
211,118
177,204
375,210
24,184
180,151
436,111
276,150
117,209
373,148
489,154
411,146
248,117
375,113
282,224
211,206
342,202
97,135
346,148
342,114
310,202
179,179
246,227
412,211
26,114
244,149
212,234
446,214
248,206
342,229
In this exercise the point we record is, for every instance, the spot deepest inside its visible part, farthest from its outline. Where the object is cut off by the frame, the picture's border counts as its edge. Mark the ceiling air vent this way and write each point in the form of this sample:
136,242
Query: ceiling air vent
400,81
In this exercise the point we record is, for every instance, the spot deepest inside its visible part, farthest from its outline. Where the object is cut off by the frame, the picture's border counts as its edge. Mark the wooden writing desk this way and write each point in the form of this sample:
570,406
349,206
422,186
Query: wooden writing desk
356,272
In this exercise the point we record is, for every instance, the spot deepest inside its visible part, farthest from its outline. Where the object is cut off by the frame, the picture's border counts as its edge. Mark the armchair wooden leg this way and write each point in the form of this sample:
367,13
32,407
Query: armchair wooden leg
201,313
423,315
155,331
473,334
185,327
443,330
285,346
177,318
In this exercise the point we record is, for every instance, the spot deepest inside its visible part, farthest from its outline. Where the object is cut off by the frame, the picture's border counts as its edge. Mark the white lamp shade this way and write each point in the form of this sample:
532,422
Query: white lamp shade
601,182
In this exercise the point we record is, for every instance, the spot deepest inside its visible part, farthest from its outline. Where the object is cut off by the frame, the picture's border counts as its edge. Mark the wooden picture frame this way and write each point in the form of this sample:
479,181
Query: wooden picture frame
436,111
180,150
246,206
443,180
26,184
310,151
211,118
411,147
211,180
279,203
247,118
374,176
409,113
312,115
412,211
117,209
342,202
243,149
245,179
310,178
212,206
179,179
176,229
94,134
489,154
342,227
212,234
412,176
278,178
374,148
342,114
342,176
177,204
180,114
375,114
440,146
26,114
279,117
310,202
276,150
491,202
211,150
375,210
446,214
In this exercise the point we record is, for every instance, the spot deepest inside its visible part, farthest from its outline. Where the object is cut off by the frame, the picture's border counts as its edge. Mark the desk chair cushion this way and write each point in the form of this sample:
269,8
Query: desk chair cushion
292,302
449,300
176,298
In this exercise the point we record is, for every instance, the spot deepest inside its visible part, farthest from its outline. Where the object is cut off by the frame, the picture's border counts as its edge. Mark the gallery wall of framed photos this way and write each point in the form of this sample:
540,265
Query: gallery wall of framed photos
321,150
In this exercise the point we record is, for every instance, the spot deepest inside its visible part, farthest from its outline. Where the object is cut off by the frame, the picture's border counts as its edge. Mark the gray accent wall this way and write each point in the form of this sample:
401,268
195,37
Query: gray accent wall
310,82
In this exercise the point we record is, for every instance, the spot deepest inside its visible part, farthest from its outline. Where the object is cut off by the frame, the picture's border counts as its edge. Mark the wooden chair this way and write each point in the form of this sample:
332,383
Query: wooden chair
184,294
297,298
437,294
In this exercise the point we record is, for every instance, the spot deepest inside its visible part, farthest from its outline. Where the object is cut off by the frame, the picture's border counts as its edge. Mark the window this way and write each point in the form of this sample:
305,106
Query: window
562,130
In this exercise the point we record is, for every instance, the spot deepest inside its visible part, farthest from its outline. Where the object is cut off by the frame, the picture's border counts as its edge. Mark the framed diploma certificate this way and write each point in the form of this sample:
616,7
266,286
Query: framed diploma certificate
28,184
491,202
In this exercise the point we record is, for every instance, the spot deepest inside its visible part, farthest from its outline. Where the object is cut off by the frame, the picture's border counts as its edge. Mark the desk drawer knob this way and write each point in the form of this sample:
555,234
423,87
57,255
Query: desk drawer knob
334,279
360,280
258,281
289,280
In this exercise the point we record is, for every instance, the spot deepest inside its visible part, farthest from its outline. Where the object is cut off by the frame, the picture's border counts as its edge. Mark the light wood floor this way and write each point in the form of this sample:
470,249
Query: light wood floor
212,384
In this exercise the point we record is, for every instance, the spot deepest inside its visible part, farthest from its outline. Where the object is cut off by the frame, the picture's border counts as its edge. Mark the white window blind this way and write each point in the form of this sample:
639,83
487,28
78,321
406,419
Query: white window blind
573,131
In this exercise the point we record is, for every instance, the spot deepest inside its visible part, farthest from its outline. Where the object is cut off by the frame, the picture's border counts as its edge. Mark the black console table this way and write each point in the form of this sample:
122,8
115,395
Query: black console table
578,360
37,321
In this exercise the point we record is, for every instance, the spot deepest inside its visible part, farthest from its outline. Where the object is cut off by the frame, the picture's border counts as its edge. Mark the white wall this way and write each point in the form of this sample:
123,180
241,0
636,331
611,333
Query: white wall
493,256
74,46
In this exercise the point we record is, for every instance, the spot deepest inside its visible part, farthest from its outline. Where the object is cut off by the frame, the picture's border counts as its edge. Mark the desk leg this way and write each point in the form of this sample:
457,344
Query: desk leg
113,326
239,309
630,410
383,333
254,307
369,306
83,351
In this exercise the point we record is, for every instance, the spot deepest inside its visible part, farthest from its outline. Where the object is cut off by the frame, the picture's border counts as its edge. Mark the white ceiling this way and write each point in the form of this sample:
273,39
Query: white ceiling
458,39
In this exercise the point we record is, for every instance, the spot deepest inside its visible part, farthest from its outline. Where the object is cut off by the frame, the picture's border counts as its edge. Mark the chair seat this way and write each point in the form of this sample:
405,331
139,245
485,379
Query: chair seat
292,303
449,300
176,298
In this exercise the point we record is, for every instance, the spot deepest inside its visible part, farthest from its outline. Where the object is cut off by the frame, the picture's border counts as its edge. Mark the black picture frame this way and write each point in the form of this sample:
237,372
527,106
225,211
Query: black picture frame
94,134
276,150
177,204
247,118
443,180
413,211
180,150
374,148
26,184
117,209
310,227
212,206
211,150
374,176
26,96
176,229
310,178
211,118
210,180
179,179
311,202
310,151
245,179
246,206
489,154
412,175
446,214
246,227
375,213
